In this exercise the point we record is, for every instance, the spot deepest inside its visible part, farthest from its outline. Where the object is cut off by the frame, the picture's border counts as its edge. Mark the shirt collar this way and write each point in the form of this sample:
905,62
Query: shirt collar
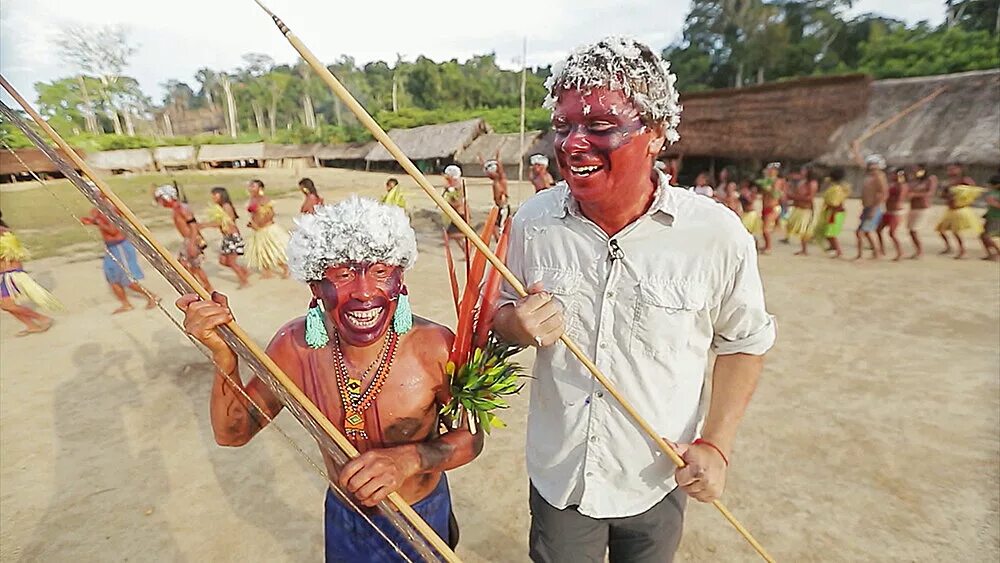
663,200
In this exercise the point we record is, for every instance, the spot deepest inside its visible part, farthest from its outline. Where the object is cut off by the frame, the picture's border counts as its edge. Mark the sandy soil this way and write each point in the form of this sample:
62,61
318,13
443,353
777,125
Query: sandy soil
873,436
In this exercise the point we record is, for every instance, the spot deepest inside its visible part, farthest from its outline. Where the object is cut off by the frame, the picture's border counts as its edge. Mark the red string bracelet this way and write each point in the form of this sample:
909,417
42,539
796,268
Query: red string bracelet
700,441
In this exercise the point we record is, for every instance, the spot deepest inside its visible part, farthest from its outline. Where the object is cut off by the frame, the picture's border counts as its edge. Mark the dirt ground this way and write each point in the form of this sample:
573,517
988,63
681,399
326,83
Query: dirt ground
873,435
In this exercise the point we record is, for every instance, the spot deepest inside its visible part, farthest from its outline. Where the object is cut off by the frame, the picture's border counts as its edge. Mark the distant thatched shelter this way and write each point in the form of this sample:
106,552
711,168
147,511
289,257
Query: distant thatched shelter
290,156
172,158
431,147
247,155
789,120
487,146
346,155
125,160
933,120
11,170
174,120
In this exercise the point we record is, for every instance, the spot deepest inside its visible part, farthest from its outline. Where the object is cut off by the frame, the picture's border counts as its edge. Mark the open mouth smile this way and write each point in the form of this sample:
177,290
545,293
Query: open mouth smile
364,319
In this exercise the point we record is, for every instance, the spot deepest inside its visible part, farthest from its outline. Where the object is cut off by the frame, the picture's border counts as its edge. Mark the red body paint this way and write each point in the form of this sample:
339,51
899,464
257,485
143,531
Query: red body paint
360,300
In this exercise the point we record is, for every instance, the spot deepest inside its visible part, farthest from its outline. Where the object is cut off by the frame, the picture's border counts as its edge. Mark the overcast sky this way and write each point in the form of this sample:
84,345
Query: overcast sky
177,37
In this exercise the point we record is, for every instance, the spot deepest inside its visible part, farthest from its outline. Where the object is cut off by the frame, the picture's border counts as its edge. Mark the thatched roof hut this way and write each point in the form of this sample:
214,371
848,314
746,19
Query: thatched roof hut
789,120
124,160
11,168
948,118
175,157
345,155
431,142
487,146
231,156
290,156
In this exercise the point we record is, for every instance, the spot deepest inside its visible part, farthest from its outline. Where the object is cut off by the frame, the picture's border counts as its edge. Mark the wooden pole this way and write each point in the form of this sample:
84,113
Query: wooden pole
524,78
342,442
381,136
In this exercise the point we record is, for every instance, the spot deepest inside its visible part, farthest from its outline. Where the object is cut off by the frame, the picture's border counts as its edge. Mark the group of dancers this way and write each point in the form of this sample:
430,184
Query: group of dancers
900,199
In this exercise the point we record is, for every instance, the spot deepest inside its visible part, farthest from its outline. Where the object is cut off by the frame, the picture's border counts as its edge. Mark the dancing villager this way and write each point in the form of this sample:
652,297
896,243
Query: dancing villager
222,215
493,169
540,177
922,190
702,187
874,191
730,196
454,194
960,217
800,222
651,307
895,204
193,245
17,287
120,262
375,370
955,177
748,206
832,215
991,221
394,194
312,197
772,189
266,248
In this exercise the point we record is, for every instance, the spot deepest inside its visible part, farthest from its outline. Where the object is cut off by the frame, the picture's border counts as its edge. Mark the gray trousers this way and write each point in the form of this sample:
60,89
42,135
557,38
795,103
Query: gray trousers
566,536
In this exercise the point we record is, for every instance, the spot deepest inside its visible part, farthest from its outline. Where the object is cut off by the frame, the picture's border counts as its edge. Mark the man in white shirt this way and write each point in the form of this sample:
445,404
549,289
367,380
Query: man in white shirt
649,281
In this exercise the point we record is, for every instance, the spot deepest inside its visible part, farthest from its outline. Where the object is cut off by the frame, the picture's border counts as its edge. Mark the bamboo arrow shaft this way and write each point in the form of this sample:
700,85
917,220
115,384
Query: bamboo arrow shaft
339,439
376,130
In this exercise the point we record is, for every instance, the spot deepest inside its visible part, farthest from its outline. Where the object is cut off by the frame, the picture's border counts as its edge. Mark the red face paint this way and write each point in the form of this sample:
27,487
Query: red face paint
601,146
360,299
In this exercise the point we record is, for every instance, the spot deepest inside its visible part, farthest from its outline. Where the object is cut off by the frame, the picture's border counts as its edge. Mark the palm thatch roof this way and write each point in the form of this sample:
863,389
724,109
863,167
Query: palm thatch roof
544,145
290,151
949,118
345,151
132,160
790,120
487,146
431,141
175,156
35,160
226,153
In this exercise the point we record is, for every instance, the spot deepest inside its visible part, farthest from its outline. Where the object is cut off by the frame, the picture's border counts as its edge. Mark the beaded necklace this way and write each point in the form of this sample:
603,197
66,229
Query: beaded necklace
354,400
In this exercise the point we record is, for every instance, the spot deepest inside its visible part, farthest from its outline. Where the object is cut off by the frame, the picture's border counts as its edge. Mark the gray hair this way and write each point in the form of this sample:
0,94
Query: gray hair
622,63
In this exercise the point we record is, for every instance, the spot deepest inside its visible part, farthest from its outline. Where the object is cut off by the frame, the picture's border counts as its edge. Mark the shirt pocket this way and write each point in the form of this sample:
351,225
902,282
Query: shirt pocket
666,313
563,285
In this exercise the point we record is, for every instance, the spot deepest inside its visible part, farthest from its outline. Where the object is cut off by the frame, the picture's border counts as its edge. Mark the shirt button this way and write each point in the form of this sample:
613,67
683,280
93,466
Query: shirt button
590,474
611,294
600,394
593,438
604,345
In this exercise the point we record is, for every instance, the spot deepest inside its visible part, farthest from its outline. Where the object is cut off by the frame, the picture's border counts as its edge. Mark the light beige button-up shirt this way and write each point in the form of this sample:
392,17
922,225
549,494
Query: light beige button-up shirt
647,305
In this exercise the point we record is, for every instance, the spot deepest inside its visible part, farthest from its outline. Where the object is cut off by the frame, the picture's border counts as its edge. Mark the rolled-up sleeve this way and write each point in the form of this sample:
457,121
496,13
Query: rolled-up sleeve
742,324
514,261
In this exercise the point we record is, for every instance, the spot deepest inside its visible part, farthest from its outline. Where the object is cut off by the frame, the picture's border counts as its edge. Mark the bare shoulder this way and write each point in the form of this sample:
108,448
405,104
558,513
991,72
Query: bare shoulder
430,341
289,340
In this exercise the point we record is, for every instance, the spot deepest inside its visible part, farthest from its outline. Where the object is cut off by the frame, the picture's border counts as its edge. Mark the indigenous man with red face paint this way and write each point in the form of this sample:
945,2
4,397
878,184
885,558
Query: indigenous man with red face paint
649,281
375,371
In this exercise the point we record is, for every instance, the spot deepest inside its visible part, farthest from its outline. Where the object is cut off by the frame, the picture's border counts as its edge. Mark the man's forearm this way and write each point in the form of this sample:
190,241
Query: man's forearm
454,449
734,380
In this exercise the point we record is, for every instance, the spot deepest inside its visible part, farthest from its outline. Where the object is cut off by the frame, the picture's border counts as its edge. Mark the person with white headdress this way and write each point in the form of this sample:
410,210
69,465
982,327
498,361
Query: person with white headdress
493,168
650,280
192,252
874,192
454,194
377,372
540,177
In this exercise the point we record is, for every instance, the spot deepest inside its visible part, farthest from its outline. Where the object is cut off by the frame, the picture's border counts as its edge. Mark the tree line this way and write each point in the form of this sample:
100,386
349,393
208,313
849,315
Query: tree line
725,44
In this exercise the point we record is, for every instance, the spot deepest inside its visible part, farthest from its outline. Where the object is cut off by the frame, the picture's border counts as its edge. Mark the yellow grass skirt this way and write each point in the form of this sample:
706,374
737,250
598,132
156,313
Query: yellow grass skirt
266,248
800,223
752,221
19,286
960,220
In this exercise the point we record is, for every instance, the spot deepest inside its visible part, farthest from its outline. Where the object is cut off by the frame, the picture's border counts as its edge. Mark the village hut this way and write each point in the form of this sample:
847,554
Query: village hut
788,121
931,120
507,145
175,158
246,155
11,169
123,160
430,147
345,155
294,157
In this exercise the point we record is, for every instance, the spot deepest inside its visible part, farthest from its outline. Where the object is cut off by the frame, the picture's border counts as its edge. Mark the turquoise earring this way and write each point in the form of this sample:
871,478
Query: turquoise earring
316,336
402,320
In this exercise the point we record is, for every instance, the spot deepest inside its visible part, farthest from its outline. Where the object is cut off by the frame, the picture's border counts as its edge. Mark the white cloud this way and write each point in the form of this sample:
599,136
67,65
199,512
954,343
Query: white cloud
177,37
